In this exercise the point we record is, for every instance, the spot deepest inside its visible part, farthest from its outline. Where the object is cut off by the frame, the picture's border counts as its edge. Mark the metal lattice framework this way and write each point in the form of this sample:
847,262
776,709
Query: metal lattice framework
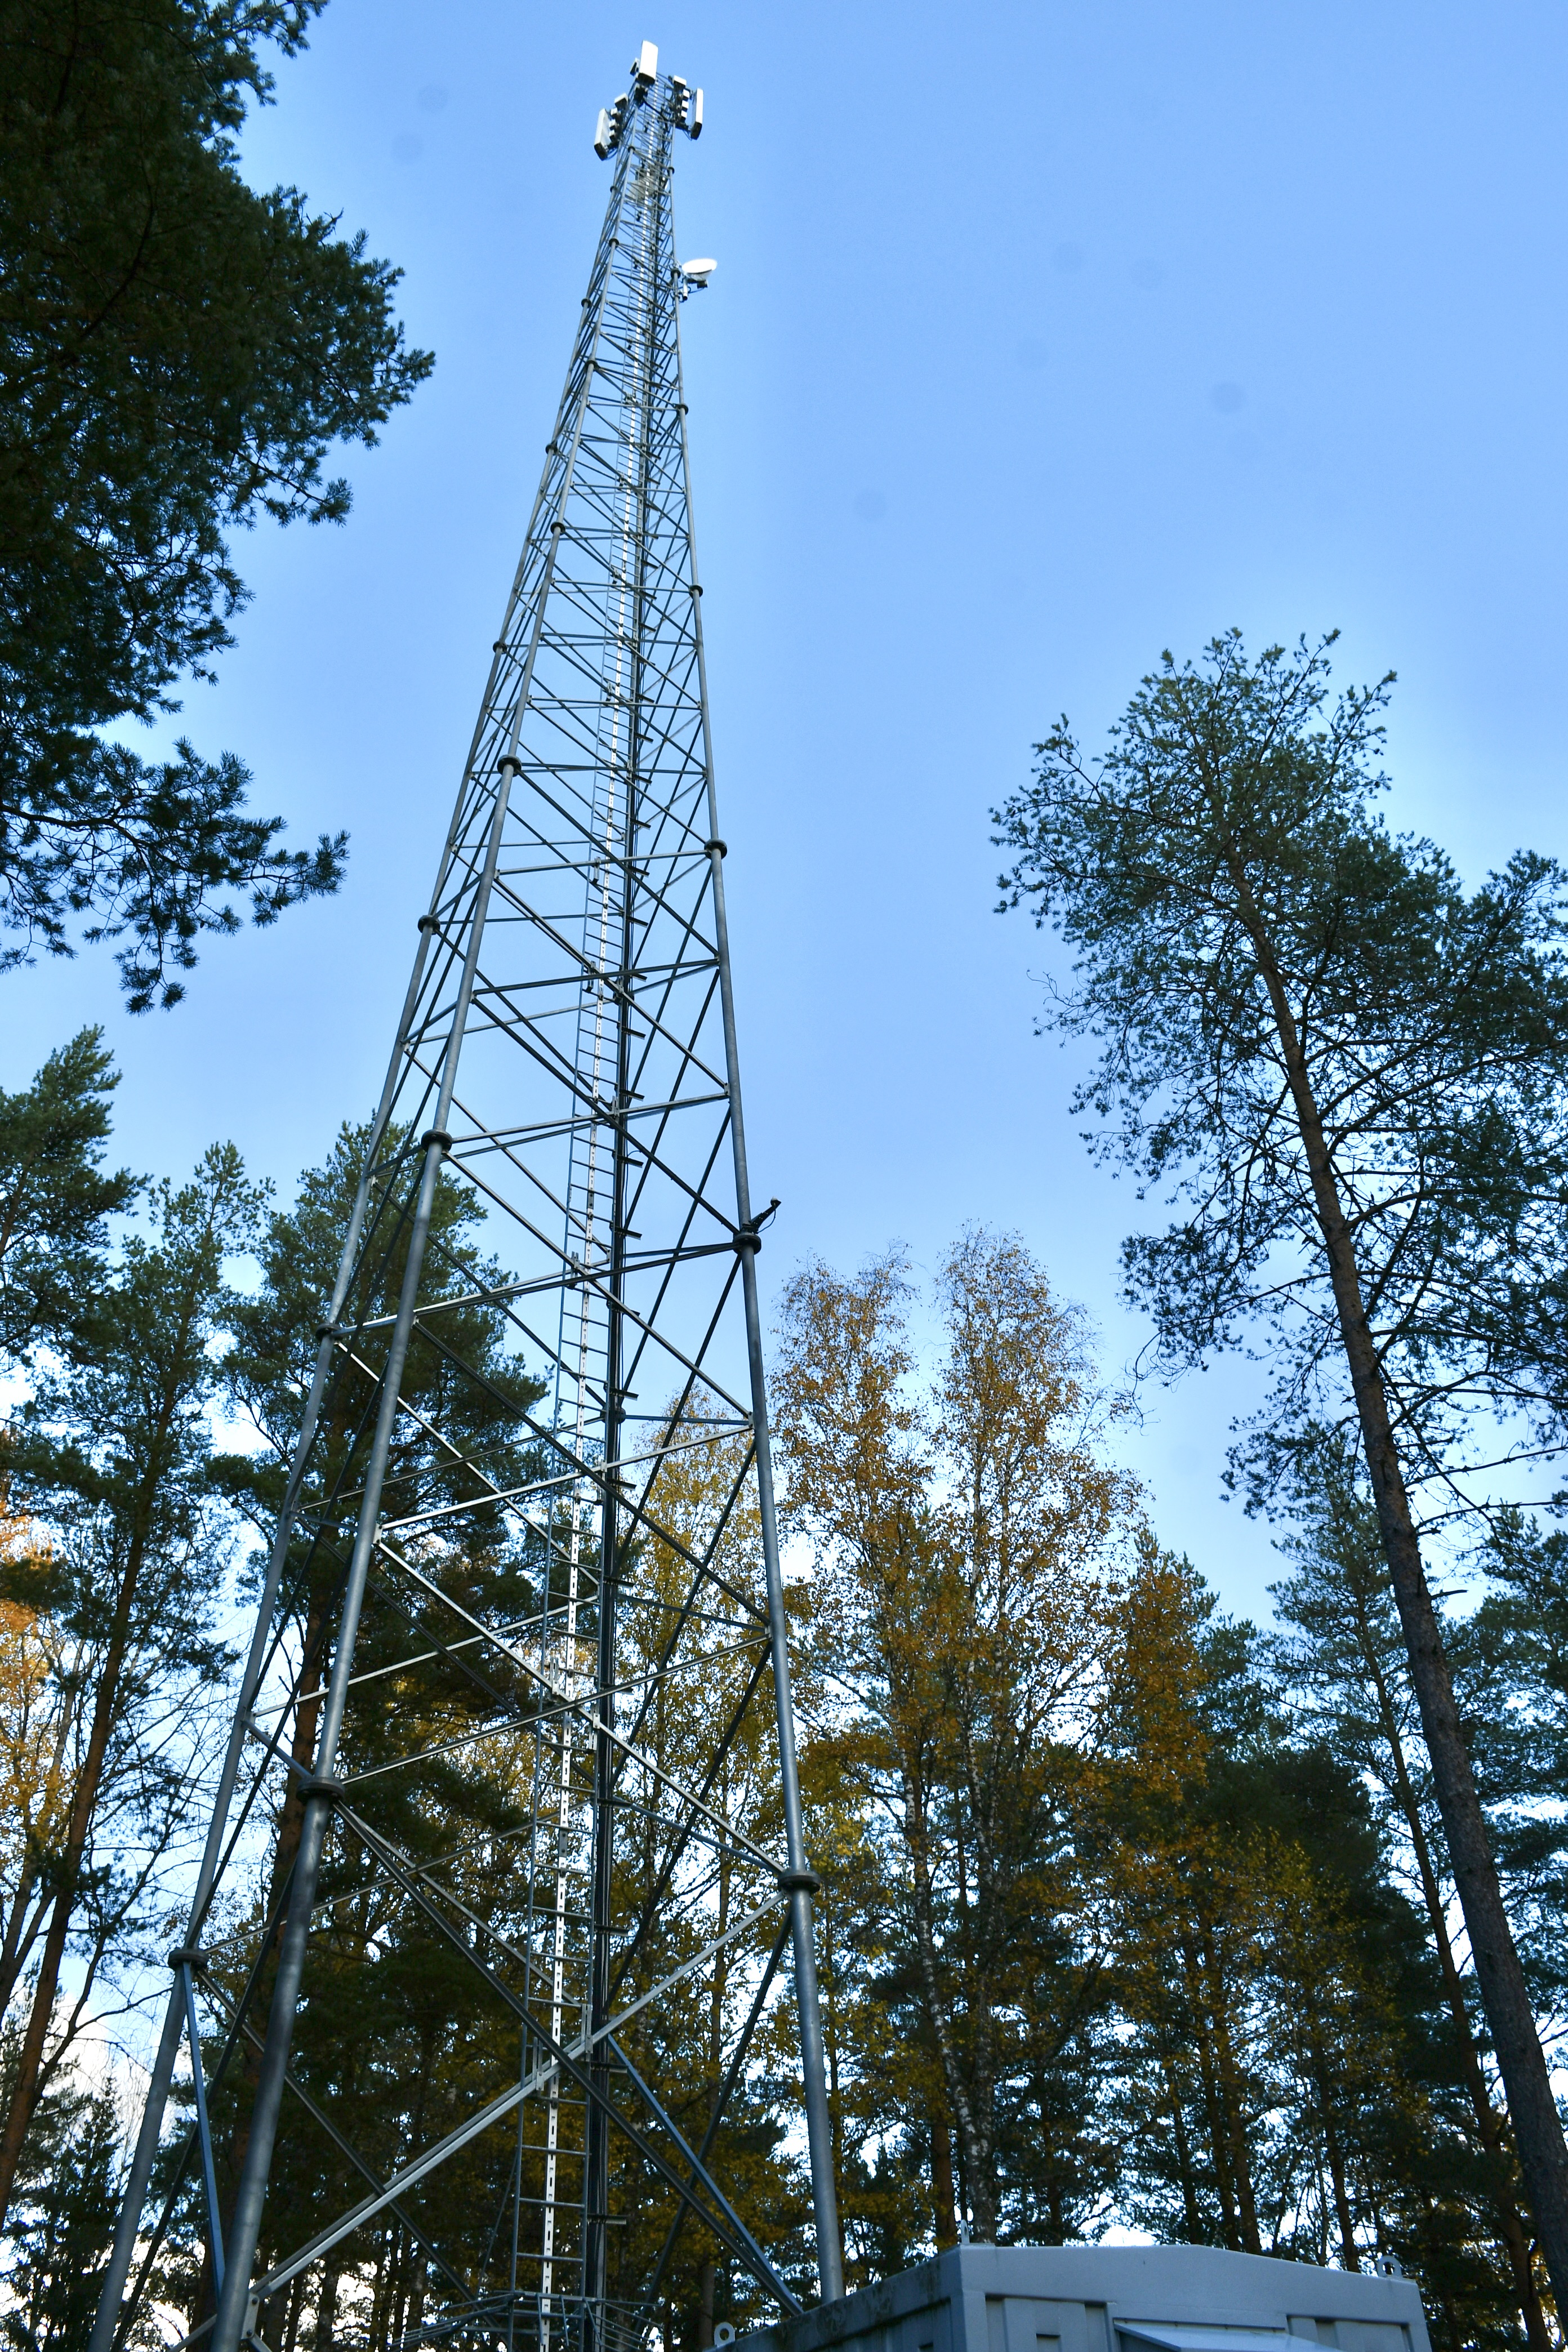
507,1849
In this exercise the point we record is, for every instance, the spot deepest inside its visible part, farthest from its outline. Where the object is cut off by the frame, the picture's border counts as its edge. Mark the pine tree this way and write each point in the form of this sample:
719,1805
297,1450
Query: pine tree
112,1459
1343,1659
62,2217
1349,1069
56,1198
178,353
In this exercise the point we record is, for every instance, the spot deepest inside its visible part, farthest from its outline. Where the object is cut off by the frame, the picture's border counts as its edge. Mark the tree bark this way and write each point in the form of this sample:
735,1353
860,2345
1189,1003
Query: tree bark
944,2228
1231,2108
1219,2139
976,2150
27,2086
1191,2214
22,1930
1349,2251
1537,2127
1510,2228
327,2304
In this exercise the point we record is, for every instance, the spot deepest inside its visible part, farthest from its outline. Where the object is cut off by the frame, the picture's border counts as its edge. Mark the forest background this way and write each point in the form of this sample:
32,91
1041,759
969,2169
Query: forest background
1149,395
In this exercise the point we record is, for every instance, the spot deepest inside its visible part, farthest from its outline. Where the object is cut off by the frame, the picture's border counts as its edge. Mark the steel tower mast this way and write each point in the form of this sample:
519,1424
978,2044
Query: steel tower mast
508,1847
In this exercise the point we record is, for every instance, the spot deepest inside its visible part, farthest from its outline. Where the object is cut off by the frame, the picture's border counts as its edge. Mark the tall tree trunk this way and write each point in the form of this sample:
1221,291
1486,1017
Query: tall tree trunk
290,1825
828,1963
1350,2252
27,2084
975,2150
944,2228
21,1932
296,2311
1510,2228
385,2264
1229,2076
327,2303
1219,2148
1537,2127
1190,2211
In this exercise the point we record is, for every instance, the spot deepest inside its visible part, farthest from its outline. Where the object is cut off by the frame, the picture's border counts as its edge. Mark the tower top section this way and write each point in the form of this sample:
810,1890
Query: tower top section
685,104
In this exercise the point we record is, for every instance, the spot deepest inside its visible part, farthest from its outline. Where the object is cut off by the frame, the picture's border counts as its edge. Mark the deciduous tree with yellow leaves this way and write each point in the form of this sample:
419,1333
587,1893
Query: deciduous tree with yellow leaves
976,1550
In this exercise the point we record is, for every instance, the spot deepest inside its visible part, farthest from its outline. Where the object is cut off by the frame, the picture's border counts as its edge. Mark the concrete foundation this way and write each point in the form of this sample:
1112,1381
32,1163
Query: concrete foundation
1110,2299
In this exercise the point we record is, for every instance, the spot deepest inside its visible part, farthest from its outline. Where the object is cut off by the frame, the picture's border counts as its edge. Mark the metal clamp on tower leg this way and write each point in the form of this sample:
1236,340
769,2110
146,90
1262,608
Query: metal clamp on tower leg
749,1235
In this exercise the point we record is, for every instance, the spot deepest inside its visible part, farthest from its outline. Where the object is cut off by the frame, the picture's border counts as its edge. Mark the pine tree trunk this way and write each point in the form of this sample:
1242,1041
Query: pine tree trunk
1190,2209
1231,2109
1537,2127
1220,2151
327,2305
944,2228
296,2311
1350,2252
19,1936
1510,2228
27,2083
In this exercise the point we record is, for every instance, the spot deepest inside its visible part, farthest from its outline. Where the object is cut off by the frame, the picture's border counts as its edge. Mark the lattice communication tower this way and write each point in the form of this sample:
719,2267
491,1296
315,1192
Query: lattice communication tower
507,1867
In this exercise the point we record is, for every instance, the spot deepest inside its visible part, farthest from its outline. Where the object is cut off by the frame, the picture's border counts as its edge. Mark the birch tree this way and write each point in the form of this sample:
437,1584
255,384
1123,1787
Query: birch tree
975,1551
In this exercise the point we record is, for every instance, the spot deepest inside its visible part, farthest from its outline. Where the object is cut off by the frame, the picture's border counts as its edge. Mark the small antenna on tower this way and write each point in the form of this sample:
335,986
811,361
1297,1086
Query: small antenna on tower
685,104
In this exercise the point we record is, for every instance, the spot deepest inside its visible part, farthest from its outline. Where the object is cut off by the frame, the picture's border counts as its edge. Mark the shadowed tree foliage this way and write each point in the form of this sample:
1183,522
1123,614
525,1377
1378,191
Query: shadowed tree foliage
56,1197
1123,1919
402,2036
111,1459
1341,1658
396,2027
1293,2084
62,2219
1114,1922
178,353
1510,1665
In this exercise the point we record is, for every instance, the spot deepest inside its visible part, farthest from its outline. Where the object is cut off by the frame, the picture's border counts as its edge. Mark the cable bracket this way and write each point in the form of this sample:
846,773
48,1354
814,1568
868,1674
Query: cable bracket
750,1235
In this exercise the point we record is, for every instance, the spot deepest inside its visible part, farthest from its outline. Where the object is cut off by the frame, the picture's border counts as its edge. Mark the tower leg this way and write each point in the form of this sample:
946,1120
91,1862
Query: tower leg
245,2229
800,1876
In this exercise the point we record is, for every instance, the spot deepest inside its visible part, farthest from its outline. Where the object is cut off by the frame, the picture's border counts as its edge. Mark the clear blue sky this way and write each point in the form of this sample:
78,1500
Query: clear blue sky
1043,336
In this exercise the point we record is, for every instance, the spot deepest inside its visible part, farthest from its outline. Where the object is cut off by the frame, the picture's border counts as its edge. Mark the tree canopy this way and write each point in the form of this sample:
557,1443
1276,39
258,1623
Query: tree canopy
1349,1072
178,354
1242,921
1125,1915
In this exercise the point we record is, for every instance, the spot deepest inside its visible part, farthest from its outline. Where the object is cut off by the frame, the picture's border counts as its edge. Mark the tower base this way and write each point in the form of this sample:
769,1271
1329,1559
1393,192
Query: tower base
1110,2299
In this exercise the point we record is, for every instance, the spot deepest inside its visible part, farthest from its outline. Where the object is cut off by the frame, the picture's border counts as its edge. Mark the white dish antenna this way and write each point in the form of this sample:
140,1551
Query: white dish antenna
698,273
